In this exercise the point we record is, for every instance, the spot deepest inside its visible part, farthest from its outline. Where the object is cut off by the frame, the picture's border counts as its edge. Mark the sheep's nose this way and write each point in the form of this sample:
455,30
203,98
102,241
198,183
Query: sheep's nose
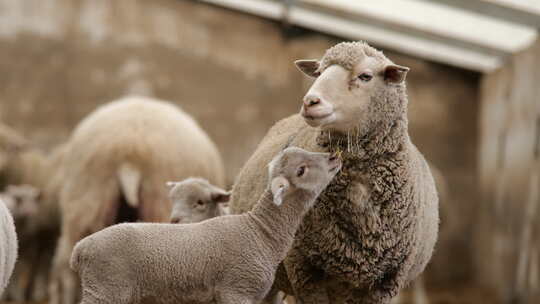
333,156
311,100
175,220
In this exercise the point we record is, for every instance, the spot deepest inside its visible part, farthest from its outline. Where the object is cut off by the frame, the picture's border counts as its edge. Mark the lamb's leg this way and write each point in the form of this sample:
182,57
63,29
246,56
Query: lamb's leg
234,298
305,279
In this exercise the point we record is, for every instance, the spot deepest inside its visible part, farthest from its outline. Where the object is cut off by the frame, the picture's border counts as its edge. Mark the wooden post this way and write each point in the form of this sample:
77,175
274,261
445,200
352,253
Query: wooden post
508,235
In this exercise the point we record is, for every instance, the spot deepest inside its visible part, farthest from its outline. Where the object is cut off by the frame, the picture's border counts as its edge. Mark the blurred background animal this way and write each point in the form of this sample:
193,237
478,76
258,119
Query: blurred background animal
115,165
195,199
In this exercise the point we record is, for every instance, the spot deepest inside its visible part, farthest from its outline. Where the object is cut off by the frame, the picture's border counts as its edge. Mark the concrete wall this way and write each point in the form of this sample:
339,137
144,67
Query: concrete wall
233,72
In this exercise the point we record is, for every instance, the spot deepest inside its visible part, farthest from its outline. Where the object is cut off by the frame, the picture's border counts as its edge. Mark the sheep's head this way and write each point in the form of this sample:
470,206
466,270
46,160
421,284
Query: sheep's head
195,200
22,201
351,77
297,169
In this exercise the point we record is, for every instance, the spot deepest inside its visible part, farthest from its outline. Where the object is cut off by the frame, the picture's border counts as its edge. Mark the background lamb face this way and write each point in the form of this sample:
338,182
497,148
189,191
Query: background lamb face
195,199
234,73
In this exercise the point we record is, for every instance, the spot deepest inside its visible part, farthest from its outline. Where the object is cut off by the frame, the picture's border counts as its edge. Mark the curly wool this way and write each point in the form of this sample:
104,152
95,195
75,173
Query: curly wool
348,54
373,229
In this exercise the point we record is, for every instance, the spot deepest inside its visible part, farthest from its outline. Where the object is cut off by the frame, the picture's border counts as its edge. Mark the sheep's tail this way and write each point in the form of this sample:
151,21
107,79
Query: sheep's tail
130,181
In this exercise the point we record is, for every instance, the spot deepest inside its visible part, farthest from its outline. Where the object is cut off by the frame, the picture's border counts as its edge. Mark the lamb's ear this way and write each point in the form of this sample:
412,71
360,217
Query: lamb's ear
170,184
308,66
220,196
278,187
394,73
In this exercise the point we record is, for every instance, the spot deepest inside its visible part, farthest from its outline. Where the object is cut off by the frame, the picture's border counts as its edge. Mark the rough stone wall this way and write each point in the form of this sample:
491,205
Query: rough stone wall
233,72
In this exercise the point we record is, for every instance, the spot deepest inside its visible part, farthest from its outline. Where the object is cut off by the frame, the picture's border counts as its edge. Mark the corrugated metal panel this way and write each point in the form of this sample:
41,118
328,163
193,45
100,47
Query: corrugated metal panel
524,12
428,29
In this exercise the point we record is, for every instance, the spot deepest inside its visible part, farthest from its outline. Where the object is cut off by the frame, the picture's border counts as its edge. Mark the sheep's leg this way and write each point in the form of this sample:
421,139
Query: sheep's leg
83,212
272,297
64,283
304,279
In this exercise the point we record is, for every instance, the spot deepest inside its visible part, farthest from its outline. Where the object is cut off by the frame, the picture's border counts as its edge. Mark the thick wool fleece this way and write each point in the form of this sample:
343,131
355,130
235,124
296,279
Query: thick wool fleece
348,54
373,229
227,259
8,246
147,141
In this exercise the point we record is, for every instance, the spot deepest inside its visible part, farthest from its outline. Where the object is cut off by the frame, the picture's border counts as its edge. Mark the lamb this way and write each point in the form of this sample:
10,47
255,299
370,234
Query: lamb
115,164
227,259
195,200
373,230
8,246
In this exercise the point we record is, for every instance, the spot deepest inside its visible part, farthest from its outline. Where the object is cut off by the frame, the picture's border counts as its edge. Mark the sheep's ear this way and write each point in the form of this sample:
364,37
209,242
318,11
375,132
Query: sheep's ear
220,195
170,184
394,73
279,187
309,67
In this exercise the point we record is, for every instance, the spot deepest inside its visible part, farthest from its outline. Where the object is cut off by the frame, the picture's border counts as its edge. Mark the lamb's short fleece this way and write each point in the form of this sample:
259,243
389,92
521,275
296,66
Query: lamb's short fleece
227,259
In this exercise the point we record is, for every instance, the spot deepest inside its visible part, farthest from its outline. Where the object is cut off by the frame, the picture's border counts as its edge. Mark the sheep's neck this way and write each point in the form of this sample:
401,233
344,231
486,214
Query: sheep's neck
386,138
278,224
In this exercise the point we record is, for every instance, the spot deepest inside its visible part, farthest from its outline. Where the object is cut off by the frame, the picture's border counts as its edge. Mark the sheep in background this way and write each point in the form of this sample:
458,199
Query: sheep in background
373,230
8,246
195,199
228,259
21,201
21,163
114,168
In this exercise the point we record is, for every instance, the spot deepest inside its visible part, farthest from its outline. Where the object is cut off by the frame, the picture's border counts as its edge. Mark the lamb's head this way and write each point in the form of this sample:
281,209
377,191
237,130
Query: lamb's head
22,201
295,169
195,200
355,84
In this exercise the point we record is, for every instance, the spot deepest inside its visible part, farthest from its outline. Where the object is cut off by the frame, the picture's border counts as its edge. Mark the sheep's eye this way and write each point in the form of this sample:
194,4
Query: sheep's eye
301,171
200,203
365,77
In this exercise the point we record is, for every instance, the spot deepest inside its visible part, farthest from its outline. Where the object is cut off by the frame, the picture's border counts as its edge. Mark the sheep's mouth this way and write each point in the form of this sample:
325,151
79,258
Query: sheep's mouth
315,117
319,120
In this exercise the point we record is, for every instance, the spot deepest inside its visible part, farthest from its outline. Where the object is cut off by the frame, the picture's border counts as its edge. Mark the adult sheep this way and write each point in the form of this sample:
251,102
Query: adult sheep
115,167
372,231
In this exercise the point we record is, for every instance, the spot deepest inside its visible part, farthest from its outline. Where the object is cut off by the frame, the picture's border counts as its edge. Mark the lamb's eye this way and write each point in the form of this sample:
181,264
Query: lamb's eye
301,171
365,77
200,203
